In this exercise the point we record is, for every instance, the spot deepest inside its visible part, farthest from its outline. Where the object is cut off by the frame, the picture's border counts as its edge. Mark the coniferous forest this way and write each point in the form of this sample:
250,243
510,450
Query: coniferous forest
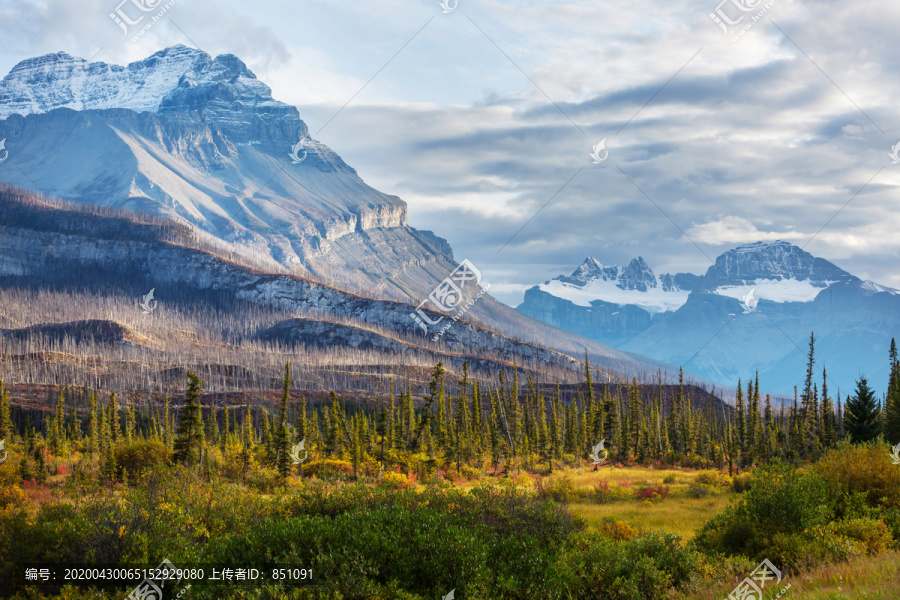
393,496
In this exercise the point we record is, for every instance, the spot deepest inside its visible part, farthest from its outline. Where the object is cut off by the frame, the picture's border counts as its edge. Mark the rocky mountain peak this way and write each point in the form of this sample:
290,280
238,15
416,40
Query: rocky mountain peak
166,81
637,276
590,269
777,260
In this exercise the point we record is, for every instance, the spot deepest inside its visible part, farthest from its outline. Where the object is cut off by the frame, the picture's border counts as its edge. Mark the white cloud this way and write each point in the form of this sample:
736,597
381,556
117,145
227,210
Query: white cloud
751,141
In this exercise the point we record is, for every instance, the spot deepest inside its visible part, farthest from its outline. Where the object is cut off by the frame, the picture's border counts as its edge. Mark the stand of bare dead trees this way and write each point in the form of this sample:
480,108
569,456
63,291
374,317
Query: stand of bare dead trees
458,422
222,344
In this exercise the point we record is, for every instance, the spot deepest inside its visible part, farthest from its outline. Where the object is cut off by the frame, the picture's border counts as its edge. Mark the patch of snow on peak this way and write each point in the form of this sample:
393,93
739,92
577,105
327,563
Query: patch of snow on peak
775,290
654,300
39,85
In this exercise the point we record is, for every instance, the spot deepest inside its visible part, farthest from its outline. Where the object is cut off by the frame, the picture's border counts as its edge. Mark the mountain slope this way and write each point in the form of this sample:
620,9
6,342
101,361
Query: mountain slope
84,256
753,310
200,140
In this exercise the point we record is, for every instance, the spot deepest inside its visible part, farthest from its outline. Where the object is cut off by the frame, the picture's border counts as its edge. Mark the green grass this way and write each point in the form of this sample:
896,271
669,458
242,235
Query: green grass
681,516
676,514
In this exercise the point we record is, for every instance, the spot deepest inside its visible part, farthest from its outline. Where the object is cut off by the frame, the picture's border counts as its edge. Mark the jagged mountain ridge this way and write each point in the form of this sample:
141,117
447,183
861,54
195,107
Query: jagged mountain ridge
201,140
673,317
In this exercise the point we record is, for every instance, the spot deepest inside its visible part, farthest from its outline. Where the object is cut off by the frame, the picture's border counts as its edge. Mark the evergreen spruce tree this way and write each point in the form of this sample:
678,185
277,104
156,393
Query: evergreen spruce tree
829,420
592,411
226,427
168,428
441,421
635,416
57,437
892,400
130,423
109,467
861,414
105,439
6,425
189,437
463,426
265,435
740,422
752,420
555,425
93,426
808,408
478,425
282,442
115,425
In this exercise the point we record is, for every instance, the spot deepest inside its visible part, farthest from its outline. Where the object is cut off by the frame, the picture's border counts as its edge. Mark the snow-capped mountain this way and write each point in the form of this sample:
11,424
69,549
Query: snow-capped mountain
201,140
45,83
633,284
709,324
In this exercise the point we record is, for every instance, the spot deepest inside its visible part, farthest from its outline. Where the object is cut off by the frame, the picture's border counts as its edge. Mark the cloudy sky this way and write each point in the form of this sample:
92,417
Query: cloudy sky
483,118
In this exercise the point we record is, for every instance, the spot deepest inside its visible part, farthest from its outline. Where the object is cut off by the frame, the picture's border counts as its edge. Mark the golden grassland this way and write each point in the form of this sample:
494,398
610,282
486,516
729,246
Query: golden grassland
678,513
870,578
681,516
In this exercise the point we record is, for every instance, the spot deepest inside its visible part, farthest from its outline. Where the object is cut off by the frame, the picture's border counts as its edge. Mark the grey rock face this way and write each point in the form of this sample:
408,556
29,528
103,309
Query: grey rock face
778,260
201,140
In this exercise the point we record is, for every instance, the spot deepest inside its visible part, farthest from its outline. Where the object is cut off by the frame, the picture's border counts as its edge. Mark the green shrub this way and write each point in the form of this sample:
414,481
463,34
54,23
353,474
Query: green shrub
697,490
793,552
891,518
780,501
864,469
873,534
138,457
669,479
644,568
264,481
559,488
740,483
800,520
713,479
603,494
617,530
